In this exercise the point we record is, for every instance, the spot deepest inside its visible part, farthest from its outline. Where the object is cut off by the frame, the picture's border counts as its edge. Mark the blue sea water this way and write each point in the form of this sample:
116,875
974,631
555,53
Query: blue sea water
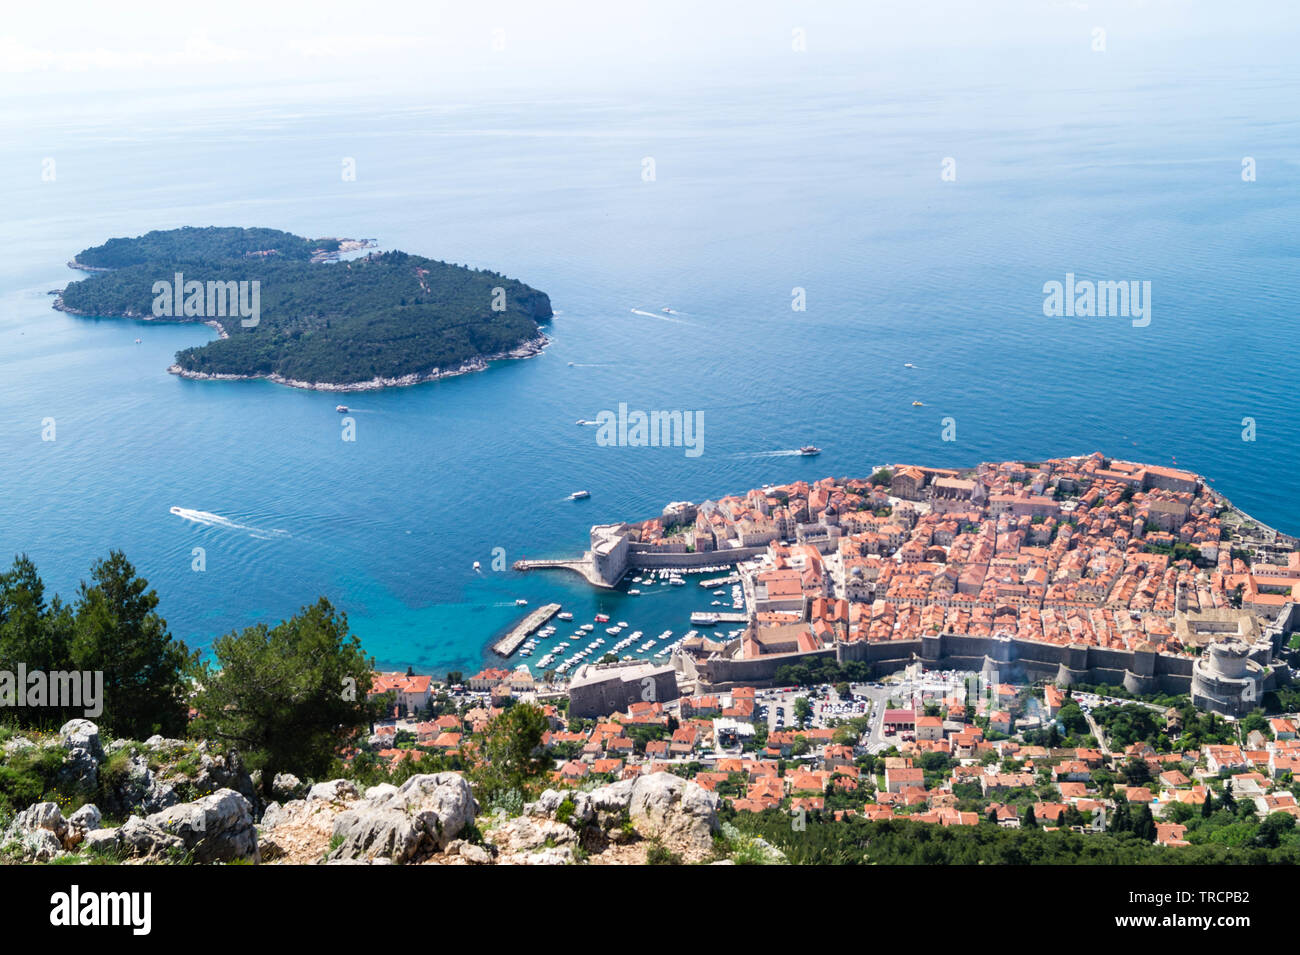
832,186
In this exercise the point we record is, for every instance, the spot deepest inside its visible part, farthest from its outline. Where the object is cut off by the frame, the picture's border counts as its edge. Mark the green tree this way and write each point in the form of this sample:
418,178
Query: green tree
1144,826
512,756
802,710
119,633
1137,772
1275,827
1072,718
25,633
287,697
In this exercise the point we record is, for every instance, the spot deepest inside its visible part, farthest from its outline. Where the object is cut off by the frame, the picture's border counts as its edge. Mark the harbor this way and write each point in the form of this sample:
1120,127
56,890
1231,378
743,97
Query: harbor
642,622
508,644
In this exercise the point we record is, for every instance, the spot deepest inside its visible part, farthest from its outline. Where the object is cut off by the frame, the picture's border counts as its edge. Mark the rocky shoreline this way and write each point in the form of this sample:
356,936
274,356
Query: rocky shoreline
528,349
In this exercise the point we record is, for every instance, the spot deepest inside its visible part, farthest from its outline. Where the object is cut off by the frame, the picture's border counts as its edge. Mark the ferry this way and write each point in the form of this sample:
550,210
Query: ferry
808,450
579,495
341,409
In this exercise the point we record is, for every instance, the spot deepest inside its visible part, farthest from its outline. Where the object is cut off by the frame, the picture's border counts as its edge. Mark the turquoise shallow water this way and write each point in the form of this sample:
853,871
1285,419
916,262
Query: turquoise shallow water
823,186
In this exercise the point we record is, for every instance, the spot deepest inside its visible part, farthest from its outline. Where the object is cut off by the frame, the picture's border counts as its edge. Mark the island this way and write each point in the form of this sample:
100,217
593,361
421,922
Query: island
295,311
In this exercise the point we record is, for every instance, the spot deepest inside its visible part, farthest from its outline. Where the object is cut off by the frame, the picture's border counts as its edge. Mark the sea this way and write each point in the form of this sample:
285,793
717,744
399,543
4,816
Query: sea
830,249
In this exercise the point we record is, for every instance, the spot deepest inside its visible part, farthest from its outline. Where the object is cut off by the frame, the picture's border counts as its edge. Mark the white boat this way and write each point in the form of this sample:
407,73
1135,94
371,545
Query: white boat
521,602
579,495
564,616
634,592
477,565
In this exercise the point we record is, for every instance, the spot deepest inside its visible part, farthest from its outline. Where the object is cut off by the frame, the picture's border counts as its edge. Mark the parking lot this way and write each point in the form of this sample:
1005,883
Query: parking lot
779,706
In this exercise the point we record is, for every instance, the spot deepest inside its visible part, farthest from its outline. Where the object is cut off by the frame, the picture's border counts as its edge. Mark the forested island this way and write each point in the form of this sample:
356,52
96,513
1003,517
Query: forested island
384,319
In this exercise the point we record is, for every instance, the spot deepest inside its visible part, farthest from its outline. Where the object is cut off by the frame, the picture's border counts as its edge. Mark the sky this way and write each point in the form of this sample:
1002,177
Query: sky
55,50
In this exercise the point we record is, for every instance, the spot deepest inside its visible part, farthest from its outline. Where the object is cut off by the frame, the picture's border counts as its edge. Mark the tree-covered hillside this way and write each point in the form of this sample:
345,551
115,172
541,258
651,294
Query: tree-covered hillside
192,244
389,315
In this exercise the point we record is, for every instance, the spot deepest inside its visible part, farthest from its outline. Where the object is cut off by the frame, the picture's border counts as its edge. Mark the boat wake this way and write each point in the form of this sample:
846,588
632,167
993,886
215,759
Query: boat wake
771,454
208,519
661,316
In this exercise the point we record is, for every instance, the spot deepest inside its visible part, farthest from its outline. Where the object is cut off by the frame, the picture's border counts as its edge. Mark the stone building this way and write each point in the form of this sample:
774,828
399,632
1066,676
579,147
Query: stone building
599,689
1227,679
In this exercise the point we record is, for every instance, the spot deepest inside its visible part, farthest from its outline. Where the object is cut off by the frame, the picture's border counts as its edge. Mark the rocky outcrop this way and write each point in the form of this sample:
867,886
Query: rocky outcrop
421,817
40,833
80,769
336,790
225,771
37,833
679,812
215,828
399,824
139,789
286,786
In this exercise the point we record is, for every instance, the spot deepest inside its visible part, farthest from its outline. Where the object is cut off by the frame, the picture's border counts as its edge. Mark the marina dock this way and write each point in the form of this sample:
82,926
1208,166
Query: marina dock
720,581
701,618
525,628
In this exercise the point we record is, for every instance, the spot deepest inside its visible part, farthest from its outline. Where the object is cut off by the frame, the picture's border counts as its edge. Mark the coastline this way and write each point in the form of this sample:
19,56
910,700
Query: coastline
58,306
528,349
